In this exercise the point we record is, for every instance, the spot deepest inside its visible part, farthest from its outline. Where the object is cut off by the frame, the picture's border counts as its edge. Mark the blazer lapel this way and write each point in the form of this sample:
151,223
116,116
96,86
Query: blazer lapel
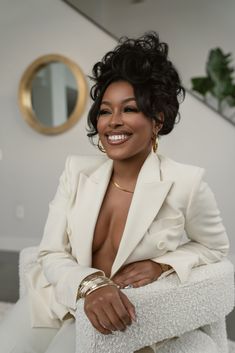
91,191
150,192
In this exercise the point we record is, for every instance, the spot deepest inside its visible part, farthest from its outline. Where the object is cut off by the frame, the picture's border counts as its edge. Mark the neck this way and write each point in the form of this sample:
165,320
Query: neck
126,171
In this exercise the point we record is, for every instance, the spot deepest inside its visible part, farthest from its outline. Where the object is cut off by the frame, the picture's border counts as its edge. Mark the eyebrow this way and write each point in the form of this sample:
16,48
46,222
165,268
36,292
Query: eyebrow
124,101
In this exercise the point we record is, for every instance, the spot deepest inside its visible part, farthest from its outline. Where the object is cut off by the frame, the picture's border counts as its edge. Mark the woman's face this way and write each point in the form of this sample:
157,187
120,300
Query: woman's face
124,131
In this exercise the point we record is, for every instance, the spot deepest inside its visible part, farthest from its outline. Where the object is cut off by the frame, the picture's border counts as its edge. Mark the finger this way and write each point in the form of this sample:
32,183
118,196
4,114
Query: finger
105,318
127,268
114,318
133,277
124,270
123,280
141,283
129,306
124,275
135,265
96,324
116,281
121,311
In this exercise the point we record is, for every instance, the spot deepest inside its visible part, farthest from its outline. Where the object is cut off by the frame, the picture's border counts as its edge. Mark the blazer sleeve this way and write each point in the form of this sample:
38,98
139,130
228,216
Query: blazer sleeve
208,241
59,267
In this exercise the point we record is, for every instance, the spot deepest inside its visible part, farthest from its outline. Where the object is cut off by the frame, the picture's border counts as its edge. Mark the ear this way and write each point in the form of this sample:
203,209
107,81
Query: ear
160,116
157,125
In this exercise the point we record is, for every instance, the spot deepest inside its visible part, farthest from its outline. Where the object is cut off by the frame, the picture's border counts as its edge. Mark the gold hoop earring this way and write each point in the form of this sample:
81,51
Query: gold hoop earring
155,143
100,146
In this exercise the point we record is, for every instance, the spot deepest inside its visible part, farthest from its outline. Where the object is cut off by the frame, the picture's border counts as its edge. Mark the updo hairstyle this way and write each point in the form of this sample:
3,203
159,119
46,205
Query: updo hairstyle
144,63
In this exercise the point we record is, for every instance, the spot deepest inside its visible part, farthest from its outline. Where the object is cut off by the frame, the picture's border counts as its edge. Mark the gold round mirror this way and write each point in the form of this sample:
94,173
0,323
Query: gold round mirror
52,94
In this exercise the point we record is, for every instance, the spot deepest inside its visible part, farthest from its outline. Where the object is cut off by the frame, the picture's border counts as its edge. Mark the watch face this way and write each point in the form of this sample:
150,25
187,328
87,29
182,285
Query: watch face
165,267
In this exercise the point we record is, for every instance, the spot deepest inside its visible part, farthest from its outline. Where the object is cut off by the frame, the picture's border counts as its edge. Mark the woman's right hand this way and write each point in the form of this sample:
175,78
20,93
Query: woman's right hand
108,309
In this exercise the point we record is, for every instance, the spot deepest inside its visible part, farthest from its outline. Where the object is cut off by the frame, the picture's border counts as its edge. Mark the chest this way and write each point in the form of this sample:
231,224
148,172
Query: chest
111,220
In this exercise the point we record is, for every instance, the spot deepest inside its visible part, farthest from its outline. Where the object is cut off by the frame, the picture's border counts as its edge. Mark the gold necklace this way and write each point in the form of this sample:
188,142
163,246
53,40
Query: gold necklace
120,187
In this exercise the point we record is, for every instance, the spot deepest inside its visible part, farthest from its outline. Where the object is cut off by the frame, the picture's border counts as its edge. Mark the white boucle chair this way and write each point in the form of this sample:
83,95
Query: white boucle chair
165,309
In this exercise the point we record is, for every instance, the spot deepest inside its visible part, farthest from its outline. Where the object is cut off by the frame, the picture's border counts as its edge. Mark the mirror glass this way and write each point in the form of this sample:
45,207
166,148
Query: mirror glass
52,94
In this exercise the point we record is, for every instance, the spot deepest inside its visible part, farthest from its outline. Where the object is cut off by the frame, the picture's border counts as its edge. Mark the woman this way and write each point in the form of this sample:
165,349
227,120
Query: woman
119,220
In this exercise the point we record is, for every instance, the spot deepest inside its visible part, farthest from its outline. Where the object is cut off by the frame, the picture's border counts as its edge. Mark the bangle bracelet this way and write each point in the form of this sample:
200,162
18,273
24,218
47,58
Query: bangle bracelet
87,286
100,286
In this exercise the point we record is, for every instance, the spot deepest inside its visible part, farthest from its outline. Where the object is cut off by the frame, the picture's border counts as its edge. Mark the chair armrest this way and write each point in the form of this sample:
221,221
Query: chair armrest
165,309
28,257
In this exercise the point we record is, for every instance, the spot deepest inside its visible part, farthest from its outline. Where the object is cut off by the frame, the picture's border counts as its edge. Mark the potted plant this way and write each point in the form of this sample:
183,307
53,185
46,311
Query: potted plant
218,82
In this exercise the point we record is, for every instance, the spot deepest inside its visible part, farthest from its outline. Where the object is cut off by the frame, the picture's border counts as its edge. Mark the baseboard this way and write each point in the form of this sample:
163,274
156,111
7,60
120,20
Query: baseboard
17,243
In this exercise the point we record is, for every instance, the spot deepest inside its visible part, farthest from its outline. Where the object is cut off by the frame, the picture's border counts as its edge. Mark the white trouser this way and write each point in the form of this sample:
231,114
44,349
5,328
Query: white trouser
17,336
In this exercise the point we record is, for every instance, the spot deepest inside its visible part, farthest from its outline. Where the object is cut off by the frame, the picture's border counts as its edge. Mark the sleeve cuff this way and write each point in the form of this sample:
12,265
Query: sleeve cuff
182,267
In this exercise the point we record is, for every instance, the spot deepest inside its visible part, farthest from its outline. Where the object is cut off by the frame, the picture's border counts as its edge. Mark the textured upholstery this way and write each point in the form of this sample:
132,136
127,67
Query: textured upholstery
165,309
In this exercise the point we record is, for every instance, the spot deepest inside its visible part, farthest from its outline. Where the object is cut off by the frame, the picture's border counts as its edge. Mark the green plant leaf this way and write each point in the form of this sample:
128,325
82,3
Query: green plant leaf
219,79
223,88
220,73
201,85
217,66
231,101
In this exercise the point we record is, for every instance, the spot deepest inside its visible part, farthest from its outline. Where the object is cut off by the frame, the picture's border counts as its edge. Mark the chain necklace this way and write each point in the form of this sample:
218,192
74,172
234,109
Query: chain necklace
120,187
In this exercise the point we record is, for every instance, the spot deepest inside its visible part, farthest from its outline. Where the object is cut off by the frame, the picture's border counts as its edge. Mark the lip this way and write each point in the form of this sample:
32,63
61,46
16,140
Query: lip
118,132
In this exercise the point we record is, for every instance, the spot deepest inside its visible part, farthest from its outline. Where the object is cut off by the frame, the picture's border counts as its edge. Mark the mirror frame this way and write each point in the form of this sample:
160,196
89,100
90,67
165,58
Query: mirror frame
25,96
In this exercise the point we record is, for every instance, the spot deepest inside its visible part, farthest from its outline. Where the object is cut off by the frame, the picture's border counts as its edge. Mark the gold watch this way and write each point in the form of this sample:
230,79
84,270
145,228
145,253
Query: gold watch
164,267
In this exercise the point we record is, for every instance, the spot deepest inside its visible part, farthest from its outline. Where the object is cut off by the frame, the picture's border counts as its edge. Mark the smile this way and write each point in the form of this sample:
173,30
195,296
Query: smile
117,139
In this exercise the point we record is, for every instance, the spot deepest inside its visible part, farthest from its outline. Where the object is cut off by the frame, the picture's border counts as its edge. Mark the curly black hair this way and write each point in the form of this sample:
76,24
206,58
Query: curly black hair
144,63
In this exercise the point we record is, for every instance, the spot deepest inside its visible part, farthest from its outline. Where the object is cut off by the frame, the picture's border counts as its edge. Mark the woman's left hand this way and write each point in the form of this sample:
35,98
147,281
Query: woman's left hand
138,274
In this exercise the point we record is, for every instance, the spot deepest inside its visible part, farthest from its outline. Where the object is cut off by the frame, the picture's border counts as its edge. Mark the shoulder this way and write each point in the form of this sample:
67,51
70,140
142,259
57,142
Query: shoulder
180,173
77,163
187,181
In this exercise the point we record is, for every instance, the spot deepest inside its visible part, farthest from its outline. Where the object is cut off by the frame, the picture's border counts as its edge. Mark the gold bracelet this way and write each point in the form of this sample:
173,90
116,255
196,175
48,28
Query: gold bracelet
94,284
100,286
88,285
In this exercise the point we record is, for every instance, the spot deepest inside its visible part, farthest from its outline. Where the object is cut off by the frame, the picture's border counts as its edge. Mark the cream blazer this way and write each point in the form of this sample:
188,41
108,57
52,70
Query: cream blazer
173,219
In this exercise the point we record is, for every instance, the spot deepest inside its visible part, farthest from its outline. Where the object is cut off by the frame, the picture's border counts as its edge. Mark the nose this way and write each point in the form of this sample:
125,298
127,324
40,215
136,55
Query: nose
115,120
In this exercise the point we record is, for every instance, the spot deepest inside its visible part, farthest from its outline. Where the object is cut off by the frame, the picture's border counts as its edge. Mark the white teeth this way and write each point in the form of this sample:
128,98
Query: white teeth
117,137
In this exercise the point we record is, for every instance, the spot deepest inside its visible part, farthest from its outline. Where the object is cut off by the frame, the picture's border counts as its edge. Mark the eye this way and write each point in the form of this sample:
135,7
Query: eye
103,112
131,109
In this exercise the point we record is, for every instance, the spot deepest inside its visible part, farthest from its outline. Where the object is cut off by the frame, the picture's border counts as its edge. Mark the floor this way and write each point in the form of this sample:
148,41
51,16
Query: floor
9,279
9,285
230,320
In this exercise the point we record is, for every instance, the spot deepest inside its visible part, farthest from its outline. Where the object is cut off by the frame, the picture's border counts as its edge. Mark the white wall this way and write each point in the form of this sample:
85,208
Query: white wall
32,162
190,27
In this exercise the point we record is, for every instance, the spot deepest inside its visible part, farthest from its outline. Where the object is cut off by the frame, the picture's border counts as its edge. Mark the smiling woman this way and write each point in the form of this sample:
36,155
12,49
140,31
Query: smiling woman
119,221
124,131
